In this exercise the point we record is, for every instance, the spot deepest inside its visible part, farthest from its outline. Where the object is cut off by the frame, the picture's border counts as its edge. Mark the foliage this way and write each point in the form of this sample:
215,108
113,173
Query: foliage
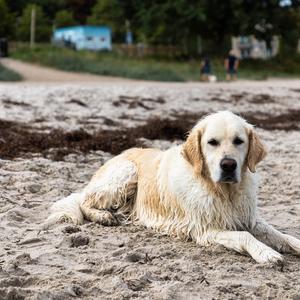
43,28
64,18
107,12
6,20
183,23
108,64
81,9
169,22
290,31
113,64
8,75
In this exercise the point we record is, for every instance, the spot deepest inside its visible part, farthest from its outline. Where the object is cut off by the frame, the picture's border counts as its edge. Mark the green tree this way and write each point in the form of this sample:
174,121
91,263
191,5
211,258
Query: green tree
16,6
289,30
176,22
43,26
51,7
170,22
109,13
222,20
81,9
6,20
64,18
265,19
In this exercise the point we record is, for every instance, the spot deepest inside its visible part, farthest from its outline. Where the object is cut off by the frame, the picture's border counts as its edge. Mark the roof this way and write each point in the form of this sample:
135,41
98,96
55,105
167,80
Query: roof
84,28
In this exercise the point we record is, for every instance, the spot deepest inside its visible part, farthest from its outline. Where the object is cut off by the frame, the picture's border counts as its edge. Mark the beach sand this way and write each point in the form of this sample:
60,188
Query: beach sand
55,136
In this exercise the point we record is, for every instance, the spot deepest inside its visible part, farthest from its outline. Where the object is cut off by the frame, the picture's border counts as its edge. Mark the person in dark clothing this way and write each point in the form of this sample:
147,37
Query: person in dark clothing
231,65
205,69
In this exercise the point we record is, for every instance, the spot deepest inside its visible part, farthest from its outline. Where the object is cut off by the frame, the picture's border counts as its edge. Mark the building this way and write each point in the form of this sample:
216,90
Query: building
94,38
251,47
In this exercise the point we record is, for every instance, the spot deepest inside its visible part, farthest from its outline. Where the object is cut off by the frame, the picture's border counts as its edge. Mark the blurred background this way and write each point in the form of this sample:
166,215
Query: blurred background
153,40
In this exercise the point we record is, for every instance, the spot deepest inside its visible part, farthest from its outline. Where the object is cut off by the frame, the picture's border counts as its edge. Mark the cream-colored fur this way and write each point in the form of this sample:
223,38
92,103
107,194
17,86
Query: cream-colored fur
181,191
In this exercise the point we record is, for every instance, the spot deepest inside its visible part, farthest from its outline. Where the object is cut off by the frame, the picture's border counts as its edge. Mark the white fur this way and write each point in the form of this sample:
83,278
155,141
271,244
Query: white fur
223,127
66,210
113,184
204,212
184,204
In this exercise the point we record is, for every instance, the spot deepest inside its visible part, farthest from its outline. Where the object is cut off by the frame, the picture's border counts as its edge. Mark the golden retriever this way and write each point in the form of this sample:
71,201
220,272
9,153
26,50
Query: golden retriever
204,189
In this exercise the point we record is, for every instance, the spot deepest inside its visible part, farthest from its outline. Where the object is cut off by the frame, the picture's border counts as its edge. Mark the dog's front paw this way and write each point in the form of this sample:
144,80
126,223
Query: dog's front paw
294,243
65,219
106,218
270,256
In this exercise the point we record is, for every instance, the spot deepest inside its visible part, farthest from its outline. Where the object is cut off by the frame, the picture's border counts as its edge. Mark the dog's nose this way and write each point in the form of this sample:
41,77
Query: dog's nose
228,164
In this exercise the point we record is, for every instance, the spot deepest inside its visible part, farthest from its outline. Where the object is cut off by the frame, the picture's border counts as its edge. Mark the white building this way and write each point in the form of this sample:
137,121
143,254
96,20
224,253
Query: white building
84,37
250,47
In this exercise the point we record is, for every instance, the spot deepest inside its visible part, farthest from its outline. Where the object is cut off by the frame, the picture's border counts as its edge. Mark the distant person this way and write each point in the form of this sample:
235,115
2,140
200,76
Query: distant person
231,66
205,69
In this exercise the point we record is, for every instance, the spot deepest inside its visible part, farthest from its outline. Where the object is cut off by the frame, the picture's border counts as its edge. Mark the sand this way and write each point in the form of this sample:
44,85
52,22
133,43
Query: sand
36,73
132,262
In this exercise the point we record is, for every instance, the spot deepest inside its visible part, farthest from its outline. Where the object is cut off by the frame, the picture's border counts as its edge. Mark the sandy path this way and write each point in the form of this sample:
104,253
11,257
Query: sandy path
32,73
131,262
36,73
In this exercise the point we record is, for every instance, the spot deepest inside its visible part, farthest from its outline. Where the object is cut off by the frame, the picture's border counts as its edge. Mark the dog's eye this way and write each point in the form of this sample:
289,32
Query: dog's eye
213,142
237,141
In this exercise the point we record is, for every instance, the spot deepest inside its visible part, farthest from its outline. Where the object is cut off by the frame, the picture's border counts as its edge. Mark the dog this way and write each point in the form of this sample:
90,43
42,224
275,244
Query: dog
204,190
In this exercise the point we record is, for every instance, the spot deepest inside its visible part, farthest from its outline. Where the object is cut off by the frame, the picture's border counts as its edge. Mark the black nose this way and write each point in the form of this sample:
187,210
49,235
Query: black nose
228,164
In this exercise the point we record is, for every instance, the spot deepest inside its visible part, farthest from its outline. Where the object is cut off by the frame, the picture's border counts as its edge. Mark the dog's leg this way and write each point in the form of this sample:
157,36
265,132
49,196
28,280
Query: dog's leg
243,241
109,190
274,238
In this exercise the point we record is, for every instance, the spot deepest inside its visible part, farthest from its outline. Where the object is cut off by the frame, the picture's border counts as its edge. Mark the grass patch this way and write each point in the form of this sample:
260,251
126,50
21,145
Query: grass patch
114,64
8,75
109,64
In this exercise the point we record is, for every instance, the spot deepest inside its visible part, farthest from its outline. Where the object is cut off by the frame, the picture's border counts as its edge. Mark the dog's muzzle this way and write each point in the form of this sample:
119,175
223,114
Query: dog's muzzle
228,167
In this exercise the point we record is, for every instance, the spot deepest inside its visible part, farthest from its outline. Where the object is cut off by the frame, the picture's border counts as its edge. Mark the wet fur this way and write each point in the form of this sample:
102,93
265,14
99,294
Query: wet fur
172,192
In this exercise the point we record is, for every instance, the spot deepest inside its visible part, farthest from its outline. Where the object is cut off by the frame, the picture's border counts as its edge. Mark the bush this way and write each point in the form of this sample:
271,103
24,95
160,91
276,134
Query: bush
8,75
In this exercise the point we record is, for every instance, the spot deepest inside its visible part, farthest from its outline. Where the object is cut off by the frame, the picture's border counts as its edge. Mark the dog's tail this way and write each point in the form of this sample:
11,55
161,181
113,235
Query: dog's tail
65,210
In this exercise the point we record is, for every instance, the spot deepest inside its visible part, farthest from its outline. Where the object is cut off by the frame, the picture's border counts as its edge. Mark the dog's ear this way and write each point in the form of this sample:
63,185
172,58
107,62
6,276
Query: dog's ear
191,151
256,151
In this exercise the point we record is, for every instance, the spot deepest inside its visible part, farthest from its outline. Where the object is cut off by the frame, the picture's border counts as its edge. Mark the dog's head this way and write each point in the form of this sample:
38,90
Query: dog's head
222,146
